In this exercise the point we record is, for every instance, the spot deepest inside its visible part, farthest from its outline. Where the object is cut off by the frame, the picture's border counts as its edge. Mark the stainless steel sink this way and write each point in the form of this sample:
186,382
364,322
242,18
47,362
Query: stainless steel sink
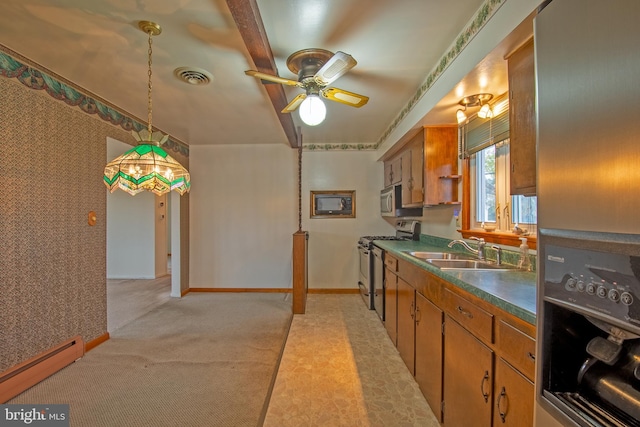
468,264
438,255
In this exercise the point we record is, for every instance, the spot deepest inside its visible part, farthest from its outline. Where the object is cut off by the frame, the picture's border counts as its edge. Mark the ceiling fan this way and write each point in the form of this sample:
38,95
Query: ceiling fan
316,69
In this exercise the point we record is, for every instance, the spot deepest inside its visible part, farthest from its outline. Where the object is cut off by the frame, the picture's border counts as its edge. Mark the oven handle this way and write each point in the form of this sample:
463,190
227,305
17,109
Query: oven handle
364,288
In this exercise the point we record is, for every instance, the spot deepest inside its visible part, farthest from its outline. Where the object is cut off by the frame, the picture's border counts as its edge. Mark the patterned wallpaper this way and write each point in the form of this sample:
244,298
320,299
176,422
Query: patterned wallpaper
52,263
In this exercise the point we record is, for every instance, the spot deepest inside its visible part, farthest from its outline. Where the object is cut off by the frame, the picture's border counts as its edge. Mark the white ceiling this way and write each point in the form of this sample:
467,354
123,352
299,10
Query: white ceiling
97,45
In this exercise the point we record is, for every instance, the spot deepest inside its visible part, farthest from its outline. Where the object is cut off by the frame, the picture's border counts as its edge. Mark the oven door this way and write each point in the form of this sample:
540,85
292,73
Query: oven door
378,281
364,278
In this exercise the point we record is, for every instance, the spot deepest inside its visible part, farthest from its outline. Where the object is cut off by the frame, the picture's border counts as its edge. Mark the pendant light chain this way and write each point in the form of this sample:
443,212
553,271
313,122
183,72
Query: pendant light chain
149,104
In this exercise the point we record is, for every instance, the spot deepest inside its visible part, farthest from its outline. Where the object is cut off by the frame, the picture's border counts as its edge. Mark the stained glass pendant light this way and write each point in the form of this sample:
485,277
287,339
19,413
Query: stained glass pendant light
147,167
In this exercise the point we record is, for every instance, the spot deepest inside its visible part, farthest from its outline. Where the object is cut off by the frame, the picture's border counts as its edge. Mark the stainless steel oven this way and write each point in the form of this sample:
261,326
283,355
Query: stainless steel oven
589,339
371,267
364,250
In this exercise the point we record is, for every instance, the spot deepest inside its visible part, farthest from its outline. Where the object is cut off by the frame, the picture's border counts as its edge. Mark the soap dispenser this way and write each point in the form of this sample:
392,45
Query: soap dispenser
524,263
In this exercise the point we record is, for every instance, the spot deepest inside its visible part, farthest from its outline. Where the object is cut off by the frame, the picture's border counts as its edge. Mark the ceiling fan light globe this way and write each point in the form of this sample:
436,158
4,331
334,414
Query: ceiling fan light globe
461,116
312,110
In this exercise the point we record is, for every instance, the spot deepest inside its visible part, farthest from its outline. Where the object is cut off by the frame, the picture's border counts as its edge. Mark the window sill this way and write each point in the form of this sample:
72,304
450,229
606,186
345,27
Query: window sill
501,238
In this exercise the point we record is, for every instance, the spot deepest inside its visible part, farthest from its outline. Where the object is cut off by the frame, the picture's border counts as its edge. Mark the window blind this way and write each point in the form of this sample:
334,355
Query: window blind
479,134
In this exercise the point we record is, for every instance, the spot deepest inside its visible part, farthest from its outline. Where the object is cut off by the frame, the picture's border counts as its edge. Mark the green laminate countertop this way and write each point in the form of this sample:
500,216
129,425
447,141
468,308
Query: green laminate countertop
513,291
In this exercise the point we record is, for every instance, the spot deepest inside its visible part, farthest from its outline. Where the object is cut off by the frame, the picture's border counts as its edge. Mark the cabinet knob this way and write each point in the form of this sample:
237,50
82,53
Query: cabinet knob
464,312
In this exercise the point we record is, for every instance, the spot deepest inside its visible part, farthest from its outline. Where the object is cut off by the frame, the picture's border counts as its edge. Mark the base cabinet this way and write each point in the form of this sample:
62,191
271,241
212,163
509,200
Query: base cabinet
514,397
429,341
406,324
391,305
468,378
474,363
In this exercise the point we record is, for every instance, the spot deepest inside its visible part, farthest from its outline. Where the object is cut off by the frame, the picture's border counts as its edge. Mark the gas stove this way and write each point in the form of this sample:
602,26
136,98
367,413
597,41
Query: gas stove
405,230
370,280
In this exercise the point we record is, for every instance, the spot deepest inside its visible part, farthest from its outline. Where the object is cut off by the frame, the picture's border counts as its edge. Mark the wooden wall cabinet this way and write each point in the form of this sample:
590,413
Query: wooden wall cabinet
392,172
426,166
440,165
413,173
522,120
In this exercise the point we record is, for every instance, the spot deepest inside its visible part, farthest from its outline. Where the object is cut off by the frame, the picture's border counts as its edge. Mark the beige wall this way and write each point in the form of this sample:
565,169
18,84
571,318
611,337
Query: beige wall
244,211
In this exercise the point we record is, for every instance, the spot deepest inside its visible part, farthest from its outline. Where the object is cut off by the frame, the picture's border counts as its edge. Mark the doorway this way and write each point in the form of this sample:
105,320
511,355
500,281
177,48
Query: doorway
140,237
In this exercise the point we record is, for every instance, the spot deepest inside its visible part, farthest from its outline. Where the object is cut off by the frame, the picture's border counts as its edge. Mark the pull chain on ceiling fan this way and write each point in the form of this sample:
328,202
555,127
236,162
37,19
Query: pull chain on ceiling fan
316,69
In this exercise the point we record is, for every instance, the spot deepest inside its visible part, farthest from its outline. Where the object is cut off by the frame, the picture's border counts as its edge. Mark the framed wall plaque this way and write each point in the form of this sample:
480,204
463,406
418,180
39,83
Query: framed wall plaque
333,204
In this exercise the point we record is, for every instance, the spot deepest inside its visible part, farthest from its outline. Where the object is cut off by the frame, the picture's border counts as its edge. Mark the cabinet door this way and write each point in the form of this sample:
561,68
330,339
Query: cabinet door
514,397
388,174
391,304
468,378
440,165
406,324
392,172
429,338
522,120
413,172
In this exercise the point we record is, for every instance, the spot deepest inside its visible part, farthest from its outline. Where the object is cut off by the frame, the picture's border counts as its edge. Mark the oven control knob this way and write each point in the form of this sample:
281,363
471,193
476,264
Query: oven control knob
591,288
626,298
581,286
601,291
571,284
614,295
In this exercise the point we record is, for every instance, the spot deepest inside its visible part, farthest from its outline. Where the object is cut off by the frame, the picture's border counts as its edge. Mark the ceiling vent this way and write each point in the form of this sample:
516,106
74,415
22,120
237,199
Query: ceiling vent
193,76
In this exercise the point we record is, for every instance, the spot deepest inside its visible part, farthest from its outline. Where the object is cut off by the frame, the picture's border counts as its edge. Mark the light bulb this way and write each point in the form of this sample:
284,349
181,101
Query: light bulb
485,112
461,116
312,110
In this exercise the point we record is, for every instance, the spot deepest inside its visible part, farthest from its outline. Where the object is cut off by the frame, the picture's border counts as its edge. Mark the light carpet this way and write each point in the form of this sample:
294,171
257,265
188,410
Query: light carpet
207,359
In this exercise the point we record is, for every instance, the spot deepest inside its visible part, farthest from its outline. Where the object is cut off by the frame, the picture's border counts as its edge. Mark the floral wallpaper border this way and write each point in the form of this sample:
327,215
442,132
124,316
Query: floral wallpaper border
486,11
32,78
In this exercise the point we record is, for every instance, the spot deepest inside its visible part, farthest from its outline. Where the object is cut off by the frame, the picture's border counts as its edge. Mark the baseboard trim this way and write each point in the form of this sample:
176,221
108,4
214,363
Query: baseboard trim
333,291
96,342
276,290
260,290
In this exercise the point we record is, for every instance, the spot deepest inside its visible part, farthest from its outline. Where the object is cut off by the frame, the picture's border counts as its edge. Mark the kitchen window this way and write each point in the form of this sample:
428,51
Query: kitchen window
492,206
489,210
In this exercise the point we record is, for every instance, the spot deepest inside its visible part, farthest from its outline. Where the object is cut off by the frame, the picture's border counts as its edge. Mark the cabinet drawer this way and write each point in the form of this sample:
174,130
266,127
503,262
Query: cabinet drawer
469,315
518,348
390,262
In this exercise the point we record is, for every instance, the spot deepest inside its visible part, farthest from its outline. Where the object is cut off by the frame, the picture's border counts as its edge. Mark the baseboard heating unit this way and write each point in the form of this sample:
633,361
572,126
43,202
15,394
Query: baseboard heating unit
27,374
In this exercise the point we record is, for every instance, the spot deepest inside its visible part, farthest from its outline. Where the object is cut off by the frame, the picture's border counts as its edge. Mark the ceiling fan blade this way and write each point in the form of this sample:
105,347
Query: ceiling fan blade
345,97
271,78
294,104
335,67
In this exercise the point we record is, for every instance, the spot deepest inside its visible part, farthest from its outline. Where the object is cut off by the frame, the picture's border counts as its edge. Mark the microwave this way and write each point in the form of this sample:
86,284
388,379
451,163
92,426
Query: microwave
391,204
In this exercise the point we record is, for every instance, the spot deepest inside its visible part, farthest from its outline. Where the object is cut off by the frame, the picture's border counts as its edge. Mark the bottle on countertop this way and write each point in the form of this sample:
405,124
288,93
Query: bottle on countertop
524,263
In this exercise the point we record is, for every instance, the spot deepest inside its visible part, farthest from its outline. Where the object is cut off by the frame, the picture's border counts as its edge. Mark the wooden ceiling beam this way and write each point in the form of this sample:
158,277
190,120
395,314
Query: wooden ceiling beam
249,22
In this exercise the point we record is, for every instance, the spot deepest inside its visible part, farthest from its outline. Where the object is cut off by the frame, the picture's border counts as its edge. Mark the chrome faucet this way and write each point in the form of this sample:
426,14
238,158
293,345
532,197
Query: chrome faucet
498,254
479,251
